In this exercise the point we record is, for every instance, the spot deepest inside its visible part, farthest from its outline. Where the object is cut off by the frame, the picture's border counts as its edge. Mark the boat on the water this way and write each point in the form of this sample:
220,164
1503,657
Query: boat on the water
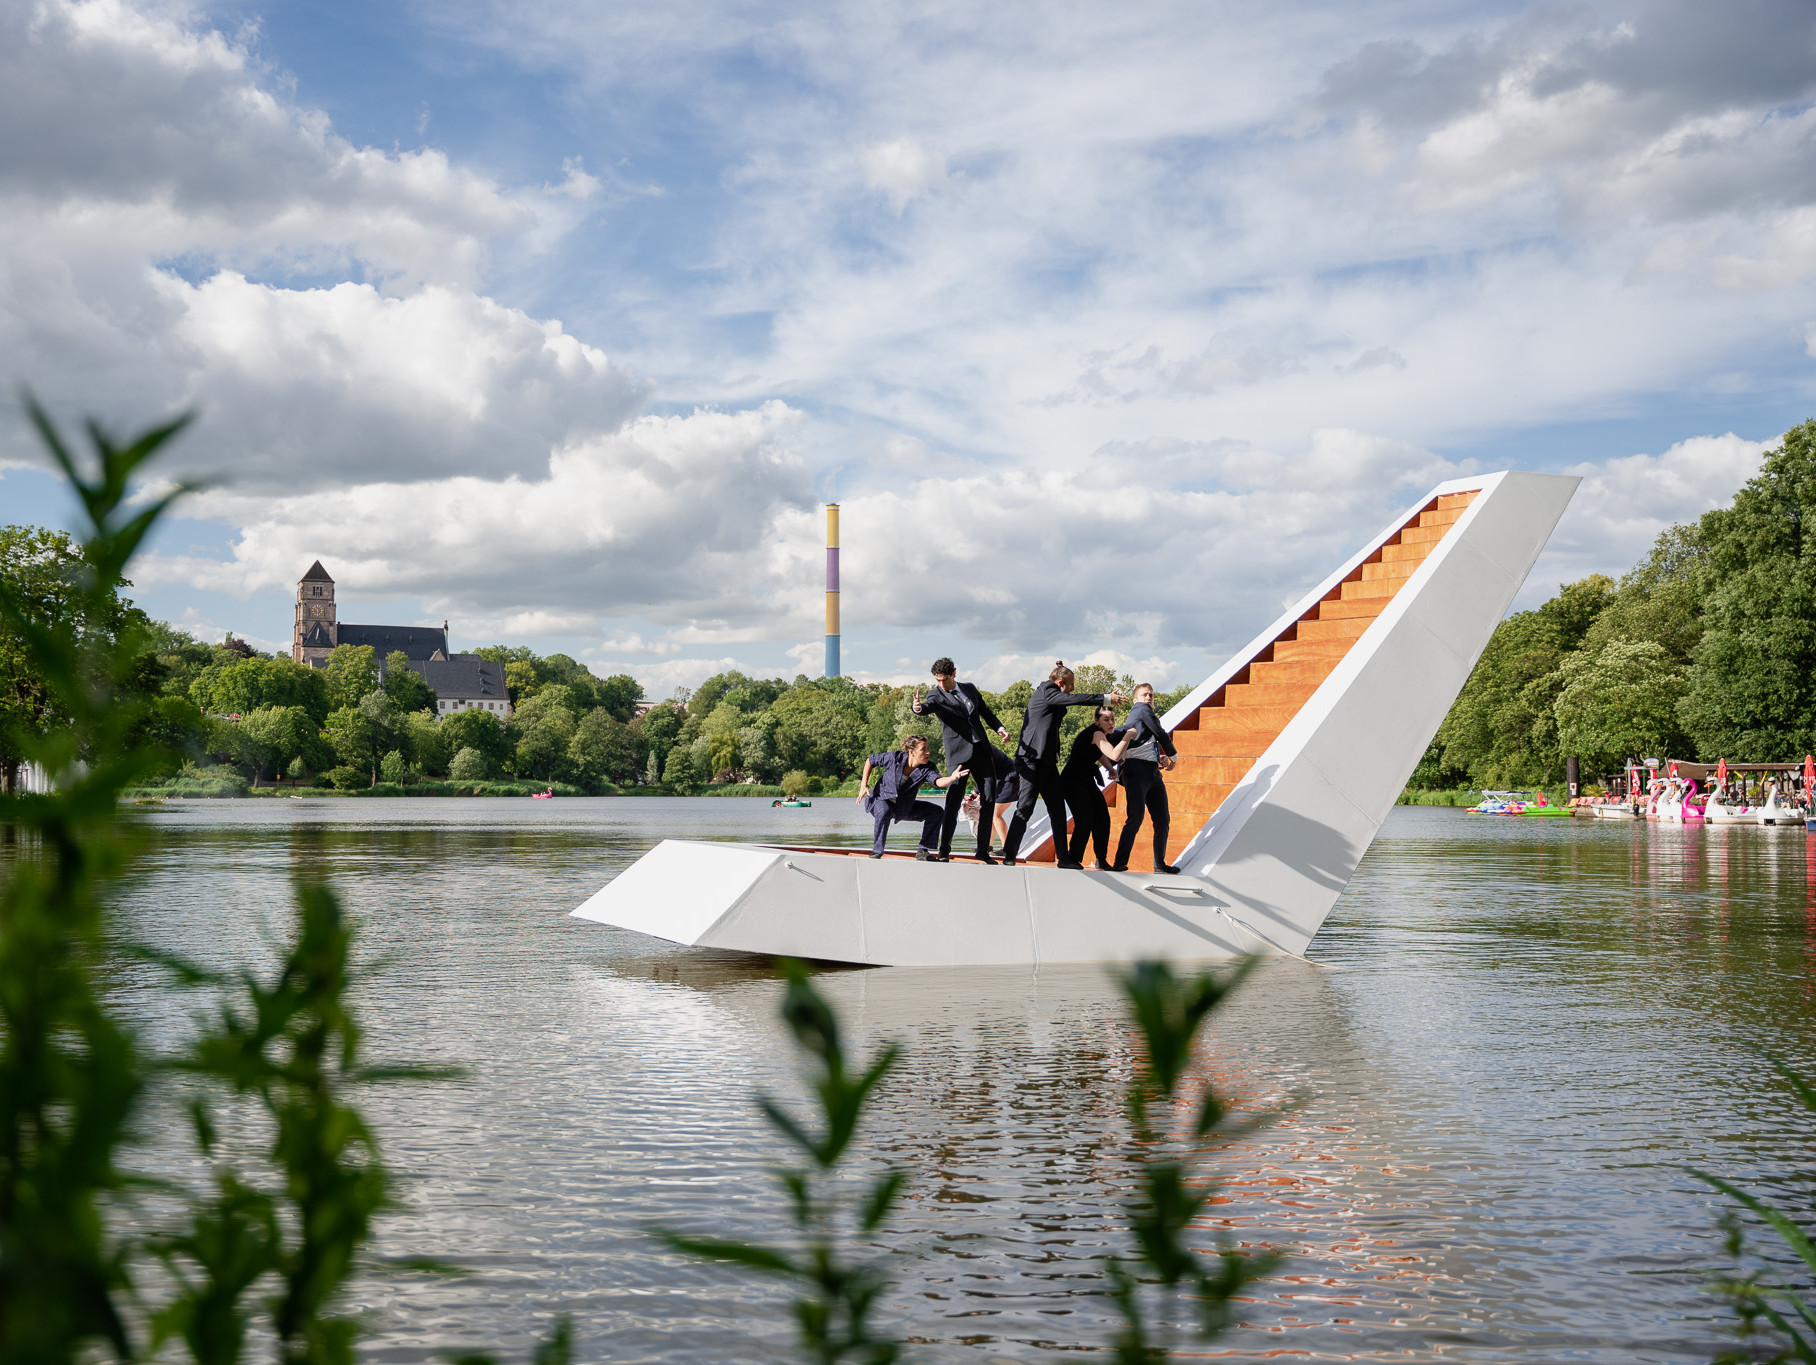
1290,756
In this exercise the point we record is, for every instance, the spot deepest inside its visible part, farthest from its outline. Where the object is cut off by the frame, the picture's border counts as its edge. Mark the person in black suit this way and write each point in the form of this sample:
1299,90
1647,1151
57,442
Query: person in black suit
1149,753
1037,759
963,713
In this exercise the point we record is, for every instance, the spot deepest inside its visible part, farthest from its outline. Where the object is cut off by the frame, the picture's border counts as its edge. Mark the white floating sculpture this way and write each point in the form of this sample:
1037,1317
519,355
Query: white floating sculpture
1290,757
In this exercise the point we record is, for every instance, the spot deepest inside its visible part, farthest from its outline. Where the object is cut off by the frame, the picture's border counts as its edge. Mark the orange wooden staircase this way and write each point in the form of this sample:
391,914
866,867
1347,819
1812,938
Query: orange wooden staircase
1220,742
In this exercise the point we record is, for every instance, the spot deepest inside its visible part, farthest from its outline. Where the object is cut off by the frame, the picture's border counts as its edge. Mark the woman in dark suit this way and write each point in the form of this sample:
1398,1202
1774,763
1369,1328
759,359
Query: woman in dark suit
1098,745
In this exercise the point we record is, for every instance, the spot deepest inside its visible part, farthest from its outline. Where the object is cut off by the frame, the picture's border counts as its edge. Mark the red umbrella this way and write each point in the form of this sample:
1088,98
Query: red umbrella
1721,773
1809,772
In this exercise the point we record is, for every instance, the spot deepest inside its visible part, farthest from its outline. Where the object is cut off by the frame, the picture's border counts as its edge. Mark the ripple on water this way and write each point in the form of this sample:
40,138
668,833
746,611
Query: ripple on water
1531,1027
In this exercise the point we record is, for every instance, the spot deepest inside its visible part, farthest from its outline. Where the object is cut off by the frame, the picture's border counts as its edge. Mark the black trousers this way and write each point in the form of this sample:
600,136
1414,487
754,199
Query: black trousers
1147,795
1039,781
988,765
1090,821
886,815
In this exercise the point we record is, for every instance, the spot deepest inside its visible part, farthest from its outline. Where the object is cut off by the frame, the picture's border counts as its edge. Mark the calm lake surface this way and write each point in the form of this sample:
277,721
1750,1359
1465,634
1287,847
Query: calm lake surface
1527,1029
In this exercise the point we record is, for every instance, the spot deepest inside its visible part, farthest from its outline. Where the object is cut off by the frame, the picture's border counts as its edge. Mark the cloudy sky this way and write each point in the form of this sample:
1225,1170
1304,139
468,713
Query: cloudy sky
1111,327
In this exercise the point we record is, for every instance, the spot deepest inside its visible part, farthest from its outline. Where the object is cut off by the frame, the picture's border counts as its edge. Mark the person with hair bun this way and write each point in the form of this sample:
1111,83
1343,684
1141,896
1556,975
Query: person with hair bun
1037,759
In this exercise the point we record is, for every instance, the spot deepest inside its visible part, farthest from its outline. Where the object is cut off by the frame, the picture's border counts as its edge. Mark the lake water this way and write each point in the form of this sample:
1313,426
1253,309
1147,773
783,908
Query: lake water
1524,1031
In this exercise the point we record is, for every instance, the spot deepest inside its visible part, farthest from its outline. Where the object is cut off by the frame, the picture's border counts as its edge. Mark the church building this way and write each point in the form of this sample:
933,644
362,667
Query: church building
461,682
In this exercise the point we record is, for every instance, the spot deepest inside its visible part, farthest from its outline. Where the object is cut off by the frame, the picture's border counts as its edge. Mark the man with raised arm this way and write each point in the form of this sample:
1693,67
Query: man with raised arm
963,714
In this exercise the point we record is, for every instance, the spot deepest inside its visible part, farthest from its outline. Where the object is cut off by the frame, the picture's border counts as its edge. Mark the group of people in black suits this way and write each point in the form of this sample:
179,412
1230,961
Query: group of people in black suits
1138,752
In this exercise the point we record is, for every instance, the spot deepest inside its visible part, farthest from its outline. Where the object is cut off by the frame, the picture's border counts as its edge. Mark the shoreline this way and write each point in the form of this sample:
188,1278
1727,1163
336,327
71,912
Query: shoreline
441,791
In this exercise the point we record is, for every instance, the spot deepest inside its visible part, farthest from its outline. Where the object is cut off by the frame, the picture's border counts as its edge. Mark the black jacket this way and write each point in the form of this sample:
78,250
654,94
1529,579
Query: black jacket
1040,731
1146,726
964,726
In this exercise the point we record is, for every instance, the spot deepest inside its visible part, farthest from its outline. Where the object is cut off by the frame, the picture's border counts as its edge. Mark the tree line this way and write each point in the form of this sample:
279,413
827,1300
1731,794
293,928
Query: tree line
226,713
1705,650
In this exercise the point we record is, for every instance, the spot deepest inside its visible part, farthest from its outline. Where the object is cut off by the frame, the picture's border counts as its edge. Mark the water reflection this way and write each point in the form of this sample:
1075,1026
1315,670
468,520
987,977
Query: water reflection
1530,1027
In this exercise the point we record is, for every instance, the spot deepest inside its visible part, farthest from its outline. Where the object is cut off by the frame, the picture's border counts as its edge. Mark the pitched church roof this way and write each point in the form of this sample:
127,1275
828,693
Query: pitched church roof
317,574
417,642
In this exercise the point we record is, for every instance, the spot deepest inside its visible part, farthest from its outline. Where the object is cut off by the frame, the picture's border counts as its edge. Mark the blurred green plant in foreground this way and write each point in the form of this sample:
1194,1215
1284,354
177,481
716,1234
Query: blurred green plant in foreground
835,1292
1168,1273
275,1245
1775,1317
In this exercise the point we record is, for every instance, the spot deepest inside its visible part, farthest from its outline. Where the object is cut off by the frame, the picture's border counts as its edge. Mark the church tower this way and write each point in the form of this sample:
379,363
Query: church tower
316,633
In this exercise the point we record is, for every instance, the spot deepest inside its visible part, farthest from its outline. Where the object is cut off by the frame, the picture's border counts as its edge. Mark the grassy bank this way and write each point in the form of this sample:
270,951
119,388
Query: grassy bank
217,788
1423,796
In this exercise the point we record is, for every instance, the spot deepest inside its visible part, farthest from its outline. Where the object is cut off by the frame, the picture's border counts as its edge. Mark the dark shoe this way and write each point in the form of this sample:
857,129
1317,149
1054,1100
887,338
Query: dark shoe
925,855
1070,867
875,855
1169,868
1008,862
1102,866
1117,867
944,856
986,858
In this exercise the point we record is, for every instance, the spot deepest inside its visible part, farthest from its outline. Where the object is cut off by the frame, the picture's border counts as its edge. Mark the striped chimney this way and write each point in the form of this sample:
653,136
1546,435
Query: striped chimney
832,590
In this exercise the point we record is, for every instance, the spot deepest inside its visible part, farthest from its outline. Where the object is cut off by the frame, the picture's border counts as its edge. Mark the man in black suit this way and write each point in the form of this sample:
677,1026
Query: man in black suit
963,714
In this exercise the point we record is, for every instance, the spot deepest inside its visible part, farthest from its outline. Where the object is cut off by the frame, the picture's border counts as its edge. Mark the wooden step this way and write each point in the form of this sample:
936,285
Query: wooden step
1345,628
1327,647
1348,608
1201,797
1248,697
1394,553
1213,718
1226,771
1444,516
1290,672
1457,500
1370,588
1395,569
1422,535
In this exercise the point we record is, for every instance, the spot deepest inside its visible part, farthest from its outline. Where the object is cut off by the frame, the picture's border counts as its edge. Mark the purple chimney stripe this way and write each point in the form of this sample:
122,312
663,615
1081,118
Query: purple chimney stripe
832,568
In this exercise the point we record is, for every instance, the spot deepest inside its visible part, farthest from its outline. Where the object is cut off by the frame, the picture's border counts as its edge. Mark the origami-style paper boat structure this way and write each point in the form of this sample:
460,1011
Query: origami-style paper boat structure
1290,757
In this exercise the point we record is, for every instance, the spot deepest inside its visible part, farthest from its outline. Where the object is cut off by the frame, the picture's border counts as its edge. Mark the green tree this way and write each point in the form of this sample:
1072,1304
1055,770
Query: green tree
543,729
470,765
362,735
429,742
1503,727
1619,702
38,569
657,730
351,671
393,768
679,770
247,685
357,742
1751,687
603,748
794,784
405,687
619,695
479,730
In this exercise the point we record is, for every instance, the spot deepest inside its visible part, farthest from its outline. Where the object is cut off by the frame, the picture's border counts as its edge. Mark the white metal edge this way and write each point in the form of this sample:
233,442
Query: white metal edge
680,890
1224,824
1196,698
